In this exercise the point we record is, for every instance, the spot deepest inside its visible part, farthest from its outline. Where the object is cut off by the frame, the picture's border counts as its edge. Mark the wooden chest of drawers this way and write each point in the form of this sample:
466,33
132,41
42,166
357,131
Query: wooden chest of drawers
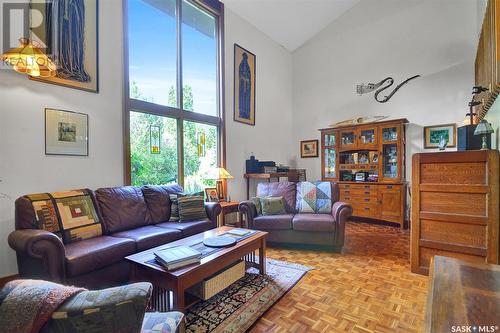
454,207
376,201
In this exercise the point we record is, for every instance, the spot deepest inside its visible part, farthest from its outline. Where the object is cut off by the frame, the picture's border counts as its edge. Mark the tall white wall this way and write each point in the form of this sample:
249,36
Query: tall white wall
24,167
376,39
270,138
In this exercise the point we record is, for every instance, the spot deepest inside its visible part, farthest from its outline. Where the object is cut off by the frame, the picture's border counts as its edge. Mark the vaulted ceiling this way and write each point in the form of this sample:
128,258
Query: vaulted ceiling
291,23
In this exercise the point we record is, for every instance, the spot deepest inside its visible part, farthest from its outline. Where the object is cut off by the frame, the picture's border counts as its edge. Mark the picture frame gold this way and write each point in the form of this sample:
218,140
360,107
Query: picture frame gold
433,133
309,148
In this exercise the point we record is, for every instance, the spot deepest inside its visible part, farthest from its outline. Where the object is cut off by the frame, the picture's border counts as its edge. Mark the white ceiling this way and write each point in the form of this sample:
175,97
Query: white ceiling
291,23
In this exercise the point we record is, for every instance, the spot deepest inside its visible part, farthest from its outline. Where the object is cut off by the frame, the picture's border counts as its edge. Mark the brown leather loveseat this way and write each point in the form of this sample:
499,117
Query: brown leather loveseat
133,219
310,230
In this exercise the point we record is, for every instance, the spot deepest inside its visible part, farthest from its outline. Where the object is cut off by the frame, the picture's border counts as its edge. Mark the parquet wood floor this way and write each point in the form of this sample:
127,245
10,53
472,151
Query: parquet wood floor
367,289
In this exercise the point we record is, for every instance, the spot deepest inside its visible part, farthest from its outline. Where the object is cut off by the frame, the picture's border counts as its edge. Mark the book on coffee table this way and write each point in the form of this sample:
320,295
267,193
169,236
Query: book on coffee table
176,257
239,232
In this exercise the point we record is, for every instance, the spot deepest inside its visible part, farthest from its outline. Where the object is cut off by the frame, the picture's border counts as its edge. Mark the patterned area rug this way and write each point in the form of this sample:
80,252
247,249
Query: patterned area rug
236,308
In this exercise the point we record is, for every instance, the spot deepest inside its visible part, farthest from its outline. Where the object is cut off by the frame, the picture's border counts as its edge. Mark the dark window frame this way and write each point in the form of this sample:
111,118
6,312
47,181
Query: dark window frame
215,8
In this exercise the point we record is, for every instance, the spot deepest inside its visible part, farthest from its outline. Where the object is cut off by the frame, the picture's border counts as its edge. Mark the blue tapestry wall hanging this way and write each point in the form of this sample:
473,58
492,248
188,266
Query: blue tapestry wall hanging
68,29
244,85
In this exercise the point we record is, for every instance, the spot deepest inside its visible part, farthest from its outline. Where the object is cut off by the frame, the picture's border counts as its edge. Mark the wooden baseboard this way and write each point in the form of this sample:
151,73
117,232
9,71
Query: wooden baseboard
4,280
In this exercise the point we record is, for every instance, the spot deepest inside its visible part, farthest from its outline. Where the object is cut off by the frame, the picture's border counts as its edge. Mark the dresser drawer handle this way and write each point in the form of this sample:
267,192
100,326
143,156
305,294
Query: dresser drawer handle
389,186
347,186
367,186
367,208
346,192
367,199
367,192
347,198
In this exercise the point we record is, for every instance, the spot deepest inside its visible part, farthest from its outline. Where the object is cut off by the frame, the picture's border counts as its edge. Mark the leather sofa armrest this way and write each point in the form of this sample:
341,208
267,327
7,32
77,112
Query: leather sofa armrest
41,245
213,210
341,212
248,209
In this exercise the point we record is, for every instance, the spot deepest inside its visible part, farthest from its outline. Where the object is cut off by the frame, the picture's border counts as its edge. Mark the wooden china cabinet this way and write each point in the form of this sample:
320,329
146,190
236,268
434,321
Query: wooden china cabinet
368,163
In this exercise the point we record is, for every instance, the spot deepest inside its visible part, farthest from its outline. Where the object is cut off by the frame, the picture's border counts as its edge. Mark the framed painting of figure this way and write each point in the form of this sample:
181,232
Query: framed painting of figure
67,31
244,85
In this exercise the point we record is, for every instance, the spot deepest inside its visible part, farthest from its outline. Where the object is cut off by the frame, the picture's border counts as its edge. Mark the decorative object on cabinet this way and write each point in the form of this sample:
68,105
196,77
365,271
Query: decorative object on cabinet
244,85
220,174
484,129
359,121
455,207
66,133
466,140
211,194
487,63
75,54
368,163
433,135
29,59
367,88
309,148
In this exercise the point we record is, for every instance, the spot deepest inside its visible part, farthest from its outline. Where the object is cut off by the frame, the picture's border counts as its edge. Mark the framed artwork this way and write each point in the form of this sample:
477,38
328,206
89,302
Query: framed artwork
244,86
66,133
154,139
434,134
67,30
309,148
212,194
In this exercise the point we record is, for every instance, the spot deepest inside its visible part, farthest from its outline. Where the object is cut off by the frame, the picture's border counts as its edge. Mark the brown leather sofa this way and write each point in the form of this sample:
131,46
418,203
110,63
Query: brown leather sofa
133,219
306,230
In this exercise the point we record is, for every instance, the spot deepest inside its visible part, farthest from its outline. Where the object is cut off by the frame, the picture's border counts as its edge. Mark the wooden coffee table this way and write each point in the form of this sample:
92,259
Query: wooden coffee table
170,285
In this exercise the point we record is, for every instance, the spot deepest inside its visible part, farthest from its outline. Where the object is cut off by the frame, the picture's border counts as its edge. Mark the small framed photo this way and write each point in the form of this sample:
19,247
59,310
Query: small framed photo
66,133
309,148
435,136
212,194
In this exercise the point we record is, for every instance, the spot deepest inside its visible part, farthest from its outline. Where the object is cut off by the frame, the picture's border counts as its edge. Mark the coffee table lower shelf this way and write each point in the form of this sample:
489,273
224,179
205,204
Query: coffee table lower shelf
169,287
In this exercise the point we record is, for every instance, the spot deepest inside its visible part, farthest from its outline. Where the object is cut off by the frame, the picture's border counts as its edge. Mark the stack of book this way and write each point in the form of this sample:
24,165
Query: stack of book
177,257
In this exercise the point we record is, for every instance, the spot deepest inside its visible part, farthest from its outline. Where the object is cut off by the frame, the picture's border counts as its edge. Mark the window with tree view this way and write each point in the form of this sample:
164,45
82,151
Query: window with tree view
174,132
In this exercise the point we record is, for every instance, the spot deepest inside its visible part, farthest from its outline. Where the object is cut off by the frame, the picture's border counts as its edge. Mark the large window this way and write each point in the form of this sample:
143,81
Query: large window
173,114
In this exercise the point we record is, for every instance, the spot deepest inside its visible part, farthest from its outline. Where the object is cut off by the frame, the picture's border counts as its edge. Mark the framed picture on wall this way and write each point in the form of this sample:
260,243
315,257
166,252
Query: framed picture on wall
309,148
433,135
67,30
66,133
244,86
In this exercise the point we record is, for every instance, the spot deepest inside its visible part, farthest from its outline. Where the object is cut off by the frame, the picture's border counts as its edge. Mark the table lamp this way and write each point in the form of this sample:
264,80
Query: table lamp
221,174
483,128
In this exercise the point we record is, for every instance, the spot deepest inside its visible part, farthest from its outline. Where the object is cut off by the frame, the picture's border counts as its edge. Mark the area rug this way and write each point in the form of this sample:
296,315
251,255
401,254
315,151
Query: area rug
239,306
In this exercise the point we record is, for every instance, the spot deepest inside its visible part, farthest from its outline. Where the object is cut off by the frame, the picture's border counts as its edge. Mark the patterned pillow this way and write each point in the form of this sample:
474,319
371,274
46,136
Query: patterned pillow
71,215
258,206
174,208
273,206
162,322
314,197
191,208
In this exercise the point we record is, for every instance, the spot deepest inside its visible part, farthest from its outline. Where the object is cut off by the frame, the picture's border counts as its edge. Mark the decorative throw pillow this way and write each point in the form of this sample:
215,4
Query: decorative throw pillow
258,207
314,197
174,208
71,215
272,205
191,208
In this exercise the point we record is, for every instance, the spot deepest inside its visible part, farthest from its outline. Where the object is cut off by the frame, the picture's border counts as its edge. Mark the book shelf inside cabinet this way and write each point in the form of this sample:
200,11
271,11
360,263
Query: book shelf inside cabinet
368,162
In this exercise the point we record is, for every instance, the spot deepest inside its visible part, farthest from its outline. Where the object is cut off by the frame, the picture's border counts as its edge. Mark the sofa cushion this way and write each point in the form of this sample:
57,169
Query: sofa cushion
122,208
91,254
149,236
313,222
272,206
286,190
188,228
158,201
314,197
273,222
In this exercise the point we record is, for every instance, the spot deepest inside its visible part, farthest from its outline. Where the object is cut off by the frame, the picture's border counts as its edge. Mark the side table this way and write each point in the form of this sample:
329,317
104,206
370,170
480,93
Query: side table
229,207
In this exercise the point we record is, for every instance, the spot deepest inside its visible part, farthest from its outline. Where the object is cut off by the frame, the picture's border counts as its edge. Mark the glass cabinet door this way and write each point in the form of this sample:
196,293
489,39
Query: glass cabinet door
329,139
329,163
389,134
367,137
390,161
348,138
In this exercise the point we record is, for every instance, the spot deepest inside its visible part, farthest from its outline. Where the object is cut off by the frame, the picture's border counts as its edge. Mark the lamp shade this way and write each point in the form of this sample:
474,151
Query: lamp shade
220,173
483,128
29,59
